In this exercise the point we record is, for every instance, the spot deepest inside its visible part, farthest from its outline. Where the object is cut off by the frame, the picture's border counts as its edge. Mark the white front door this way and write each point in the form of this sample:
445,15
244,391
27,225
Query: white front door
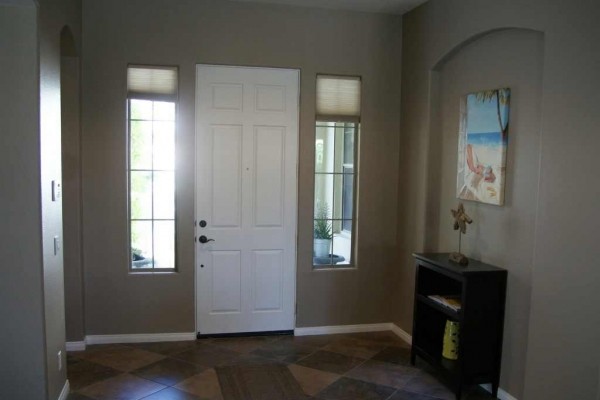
246,183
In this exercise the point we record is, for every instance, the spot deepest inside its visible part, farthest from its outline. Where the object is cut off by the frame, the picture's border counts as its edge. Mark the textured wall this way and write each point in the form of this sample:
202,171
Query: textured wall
184,33
562,255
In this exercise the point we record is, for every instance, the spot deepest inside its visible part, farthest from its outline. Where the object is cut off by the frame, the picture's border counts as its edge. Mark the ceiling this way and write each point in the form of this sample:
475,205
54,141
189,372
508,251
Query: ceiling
376,6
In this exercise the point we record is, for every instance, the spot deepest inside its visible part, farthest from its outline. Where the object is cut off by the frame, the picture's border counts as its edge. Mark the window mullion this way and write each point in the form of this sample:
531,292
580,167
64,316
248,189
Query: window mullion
152,189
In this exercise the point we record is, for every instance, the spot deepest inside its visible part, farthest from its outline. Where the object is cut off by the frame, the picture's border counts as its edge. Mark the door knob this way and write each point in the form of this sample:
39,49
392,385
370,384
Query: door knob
204,239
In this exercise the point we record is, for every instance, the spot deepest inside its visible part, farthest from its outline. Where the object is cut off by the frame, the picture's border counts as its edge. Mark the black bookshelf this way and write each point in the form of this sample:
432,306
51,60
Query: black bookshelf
482,290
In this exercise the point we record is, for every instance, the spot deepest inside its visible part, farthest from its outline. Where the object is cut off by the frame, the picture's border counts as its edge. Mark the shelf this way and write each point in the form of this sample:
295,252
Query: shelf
482,292
450,367
450,313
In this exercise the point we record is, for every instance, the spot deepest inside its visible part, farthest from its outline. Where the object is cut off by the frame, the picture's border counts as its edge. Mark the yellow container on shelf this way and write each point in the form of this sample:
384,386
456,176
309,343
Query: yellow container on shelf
450,349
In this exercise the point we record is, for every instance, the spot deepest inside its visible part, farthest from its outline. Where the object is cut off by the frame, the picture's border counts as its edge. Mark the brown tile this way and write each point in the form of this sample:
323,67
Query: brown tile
355,347
311,380
168,371
316,341
347,388
171,394
82,373
383,373
72,356
242,344
166,348
286,351
123,358
424,383
95,348
386,338
404,395
208,356
249,359
259,382
204,385
122,387
395,355
330,362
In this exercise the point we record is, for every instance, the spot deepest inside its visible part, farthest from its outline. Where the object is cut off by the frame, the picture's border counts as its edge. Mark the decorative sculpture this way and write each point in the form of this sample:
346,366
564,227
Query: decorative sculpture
461,219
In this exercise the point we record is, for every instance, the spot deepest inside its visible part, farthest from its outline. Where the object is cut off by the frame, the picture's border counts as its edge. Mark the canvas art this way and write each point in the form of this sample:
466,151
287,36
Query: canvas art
482,144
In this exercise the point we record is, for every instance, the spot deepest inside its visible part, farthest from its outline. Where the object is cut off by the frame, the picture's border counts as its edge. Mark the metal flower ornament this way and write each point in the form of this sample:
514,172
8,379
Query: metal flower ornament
461,219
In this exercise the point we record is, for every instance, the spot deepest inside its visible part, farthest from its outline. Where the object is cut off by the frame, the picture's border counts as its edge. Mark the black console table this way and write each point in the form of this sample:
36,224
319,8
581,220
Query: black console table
482,291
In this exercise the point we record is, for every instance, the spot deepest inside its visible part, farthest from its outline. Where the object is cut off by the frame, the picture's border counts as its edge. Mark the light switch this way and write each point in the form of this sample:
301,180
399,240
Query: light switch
56,190
56,245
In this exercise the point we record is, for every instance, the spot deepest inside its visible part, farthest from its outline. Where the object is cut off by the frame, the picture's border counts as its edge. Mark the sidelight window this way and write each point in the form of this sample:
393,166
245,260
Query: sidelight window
152,93
336,139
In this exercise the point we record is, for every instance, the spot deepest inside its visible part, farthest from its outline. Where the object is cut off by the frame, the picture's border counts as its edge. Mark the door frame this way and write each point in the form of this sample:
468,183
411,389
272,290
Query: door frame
297,168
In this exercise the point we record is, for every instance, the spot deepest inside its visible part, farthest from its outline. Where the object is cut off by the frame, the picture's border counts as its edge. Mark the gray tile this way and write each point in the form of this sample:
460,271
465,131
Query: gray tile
330,362
424,383
395,355
383,373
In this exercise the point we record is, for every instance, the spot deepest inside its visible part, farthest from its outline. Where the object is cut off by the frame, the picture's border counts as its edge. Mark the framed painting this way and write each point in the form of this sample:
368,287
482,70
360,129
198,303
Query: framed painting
482,144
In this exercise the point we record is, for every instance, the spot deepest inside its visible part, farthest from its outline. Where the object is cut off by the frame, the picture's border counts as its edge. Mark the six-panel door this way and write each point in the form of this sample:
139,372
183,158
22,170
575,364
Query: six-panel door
246,182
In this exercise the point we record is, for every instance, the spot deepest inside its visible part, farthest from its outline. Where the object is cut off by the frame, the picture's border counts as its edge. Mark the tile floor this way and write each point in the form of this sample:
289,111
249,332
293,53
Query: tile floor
372,366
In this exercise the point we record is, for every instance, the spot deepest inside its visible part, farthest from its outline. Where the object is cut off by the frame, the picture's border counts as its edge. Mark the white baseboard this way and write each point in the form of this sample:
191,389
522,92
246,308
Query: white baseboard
329,330
75,346
139,338
64,393
135,338
402,334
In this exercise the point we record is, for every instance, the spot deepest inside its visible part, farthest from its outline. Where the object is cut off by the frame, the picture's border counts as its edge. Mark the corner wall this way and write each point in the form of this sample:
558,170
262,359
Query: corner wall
563,322
23,367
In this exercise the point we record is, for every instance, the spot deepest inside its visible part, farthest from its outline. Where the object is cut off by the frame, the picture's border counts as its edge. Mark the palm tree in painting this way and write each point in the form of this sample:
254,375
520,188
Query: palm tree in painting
502,97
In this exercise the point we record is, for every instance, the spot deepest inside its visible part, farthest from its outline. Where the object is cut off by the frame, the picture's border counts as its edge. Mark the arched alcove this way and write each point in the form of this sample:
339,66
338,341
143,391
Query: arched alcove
67,43
502,235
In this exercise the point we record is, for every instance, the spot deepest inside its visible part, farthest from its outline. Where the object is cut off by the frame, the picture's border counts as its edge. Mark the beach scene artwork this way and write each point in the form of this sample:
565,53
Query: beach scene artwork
482,144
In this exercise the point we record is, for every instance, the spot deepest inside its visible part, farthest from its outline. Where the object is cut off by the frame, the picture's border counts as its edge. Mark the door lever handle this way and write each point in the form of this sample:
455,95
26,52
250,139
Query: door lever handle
204,239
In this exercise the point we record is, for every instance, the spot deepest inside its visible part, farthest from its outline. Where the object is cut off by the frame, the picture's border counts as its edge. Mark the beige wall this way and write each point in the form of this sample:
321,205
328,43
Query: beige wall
22,371
544,233
53,16
187,32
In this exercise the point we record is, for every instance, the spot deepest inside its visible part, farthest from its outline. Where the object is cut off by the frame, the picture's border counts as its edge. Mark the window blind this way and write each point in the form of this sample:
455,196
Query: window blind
152,82
338,98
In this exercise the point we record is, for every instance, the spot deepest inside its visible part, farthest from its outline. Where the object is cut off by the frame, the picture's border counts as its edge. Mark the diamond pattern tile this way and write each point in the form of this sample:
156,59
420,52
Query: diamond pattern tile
370,366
